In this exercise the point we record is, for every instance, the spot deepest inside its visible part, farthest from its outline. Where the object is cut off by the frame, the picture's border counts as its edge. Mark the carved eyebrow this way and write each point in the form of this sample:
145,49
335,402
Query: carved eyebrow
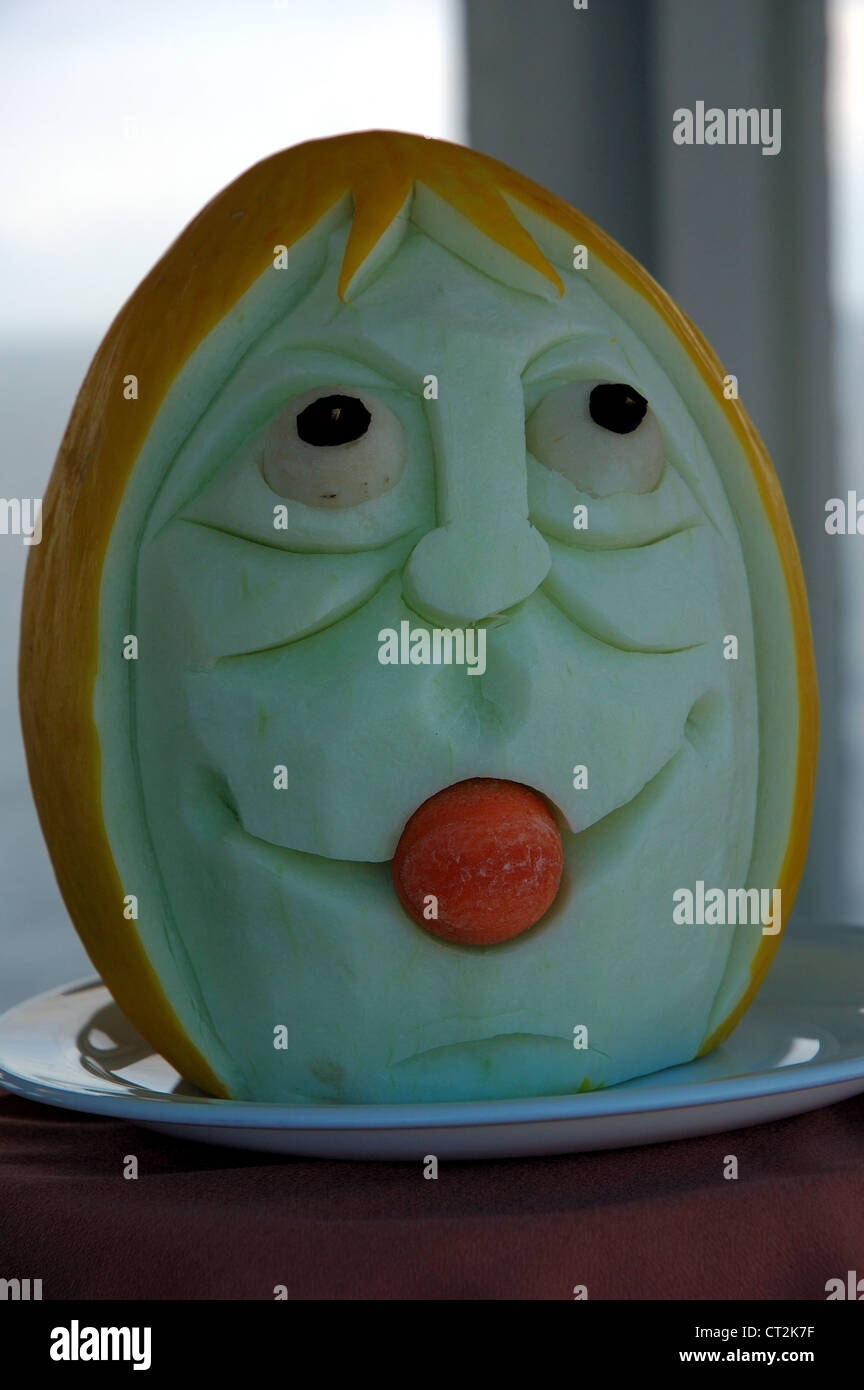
589,354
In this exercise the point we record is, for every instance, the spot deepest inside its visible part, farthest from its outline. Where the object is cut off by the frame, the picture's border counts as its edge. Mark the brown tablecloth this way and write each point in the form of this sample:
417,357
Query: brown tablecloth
207,1223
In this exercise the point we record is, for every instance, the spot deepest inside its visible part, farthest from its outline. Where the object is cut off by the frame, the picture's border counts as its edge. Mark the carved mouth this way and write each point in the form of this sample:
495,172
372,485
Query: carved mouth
689,744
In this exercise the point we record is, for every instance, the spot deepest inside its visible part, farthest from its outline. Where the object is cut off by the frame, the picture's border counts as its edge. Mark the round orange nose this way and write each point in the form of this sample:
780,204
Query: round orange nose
479,862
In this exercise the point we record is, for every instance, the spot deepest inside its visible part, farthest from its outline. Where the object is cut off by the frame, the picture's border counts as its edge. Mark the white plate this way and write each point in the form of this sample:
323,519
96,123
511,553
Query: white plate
800,1046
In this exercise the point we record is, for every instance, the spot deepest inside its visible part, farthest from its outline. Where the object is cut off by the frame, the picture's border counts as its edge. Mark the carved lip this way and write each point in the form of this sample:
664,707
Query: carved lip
467,1050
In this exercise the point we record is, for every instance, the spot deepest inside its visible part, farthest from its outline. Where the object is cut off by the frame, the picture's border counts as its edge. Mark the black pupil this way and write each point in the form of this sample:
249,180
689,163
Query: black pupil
333,420
617,407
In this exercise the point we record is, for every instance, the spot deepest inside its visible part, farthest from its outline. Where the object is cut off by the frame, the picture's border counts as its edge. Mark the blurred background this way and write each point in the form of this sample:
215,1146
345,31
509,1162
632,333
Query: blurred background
123,119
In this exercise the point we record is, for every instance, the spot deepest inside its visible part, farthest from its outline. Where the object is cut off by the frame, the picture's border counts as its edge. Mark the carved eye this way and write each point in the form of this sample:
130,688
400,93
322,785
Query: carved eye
602,435
333,447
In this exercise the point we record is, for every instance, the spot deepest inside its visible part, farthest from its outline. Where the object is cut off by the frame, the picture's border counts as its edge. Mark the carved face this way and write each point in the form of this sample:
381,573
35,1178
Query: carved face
449,451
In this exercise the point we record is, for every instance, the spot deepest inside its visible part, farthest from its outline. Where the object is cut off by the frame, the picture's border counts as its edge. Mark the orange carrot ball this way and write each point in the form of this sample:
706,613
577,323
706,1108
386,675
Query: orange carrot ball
485,855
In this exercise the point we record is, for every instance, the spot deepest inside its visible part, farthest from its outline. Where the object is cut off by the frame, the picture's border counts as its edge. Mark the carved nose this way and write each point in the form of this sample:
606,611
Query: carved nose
465,572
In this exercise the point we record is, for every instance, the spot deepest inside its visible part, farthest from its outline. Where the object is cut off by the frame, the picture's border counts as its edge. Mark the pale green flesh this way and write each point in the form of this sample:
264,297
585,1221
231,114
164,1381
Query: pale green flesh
261,907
